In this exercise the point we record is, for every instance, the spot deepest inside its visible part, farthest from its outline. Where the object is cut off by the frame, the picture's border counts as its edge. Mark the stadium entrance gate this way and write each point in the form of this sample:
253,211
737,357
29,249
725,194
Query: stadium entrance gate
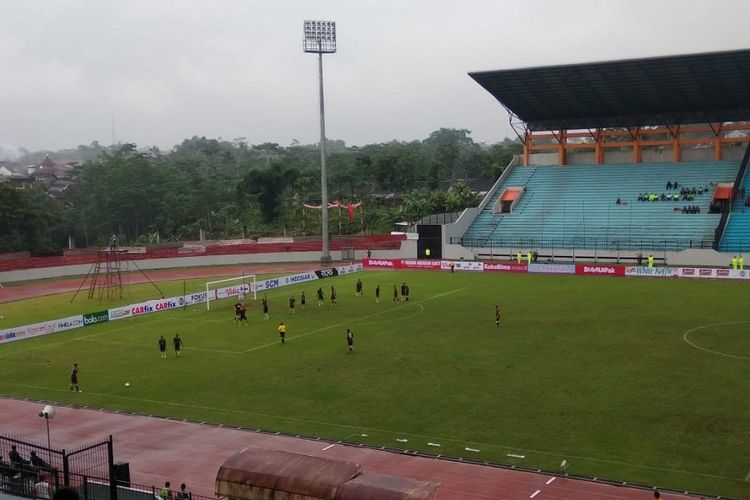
430,238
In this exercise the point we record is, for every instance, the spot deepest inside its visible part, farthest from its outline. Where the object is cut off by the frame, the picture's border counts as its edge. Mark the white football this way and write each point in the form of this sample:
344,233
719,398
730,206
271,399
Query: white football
127,384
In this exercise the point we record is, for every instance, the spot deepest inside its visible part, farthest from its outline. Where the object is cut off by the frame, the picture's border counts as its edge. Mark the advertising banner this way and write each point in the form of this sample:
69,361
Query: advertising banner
119,313
463,265
11,334
326,273
600,270
552,268
697,272
348,269
95,318
417,264
381,263
231,291
660,272
38,329
69,323
502,267
195,298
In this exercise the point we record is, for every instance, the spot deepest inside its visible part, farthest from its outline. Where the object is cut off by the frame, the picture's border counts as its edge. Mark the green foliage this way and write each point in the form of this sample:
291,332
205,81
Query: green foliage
582,368
195,186
30,220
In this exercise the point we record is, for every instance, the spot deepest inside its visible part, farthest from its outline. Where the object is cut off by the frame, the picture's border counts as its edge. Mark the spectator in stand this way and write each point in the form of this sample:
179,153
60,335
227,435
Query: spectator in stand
669,185
747,201
42,487
165,493
16,458
36,461
183,494
618,202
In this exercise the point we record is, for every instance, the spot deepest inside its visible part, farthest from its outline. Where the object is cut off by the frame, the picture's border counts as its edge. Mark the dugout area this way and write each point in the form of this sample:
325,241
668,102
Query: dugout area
256,473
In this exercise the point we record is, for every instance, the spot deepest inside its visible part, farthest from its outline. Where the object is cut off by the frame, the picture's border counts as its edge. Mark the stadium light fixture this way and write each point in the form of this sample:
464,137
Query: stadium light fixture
47,413
320,38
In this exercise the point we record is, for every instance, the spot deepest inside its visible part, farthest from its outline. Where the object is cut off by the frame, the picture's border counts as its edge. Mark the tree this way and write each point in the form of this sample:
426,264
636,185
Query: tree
268,187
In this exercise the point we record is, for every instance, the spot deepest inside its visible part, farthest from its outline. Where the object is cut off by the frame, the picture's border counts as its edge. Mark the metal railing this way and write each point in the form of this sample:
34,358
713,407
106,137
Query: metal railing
635,245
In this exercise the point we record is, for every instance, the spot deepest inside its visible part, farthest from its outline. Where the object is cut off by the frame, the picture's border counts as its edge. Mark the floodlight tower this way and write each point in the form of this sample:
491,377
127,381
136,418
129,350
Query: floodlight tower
320,38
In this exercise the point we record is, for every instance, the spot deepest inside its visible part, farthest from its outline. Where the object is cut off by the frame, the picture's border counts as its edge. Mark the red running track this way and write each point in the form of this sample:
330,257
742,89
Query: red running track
161,450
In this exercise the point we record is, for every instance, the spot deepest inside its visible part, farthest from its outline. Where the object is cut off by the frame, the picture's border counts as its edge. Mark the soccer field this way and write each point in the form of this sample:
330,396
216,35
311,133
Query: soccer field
643,380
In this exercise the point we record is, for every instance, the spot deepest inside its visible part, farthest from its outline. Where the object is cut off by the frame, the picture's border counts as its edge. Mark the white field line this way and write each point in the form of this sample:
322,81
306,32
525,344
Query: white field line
535,493
329,446
733,356
549,481
368,429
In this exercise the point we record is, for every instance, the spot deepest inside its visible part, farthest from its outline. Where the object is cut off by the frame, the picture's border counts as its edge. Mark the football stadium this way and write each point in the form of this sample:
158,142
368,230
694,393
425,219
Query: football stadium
582,333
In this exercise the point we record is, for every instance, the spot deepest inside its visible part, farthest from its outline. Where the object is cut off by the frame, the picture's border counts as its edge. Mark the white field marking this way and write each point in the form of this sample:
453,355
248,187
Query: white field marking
471,449
363,435
733,356
549,481
513,455
434,444
359,428
74,339
203,320
130,345
535,493
747,477
329,446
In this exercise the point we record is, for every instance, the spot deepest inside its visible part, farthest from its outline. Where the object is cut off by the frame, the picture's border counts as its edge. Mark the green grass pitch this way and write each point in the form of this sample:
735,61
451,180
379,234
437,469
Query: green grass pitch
643,380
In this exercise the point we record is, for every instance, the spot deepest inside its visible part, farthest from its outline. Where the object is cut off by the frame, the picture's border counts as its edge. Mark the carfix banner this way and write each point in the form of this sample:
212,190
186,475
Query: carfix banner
600,270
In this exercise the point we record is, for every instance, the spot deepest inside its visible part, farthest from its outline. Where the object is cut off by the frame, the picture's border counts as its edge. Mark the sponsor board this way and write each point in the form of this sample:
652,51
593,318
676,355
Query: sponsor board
12,334
600,270
299,278
195,298
418,264
649,271
351,268
326,273
69,323
382,263
95,317
697,272
552,268
119,313
463,265
501,267
232,291
39,329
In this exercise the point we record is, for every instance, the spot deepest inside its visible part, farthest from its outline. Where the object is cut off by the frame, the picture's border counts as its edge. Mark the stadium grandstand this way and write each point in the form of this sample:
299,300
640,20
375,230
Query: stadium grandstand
621,159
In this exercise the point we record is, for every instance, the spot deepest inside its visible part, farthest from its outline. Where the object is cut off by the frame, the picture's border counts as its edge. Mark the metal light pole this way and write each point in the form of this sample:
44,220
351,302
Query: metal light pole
47,413
320,38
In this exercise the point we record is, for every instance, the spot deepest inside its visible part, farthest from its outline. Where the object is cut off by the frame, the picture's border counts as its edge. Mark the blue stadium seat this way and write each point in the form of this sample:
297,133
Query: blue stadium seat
575,207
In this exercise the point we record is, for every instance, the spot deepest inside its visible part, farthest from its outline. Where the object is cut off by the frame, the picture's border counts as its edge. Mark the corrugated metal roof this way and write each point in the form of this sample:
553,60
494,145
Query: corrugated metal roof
692,88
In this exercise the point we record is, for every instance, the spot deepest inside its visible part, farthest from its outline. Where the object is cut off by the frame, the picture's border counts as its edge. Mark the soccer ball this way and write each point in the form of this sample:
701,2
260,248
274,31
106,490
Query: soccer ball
127,384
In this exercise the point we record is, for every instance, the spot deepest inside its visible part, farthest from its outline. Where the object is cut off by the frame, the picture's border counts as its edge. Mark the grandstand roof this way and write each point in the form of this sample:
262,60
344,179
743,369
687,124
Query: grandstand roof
693,88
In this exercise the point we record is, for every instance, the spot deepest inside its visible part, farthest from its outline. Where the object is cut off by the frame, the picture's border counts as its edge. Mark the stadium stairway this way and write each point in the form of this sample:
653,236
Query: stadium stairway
737,233
575,207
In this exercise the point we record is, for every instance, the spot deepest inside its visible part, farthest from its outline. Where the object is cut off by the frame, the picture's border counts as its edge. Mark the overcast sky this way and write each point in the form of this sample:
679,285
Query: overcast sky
221,68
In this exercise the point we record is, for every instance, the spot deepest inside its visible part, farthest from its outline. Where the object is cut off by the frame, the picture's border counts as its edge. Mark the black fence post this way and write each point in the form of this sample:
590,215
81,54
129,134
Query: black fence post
66,469
111,467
